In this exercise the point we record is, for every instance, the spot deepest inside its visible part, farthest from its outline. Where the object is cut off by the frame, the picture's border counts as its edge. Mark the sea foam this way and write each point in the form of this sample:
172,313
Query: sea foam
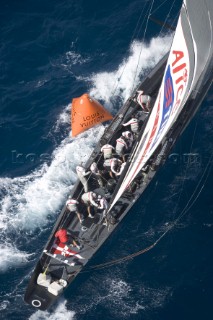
122,81
31,202
60,312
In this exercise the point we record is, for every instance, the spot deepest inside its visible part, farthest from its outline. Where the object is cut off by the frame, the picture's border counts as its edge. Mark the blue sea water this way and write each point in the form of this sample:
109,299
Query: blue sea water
52,51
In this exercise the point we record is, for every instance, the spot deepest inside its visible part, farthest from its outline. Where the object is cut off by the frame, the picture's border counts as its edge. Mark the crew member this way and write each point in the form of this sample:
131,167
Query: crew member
143,100
113,166
121,147
65,237
121,169
72,206
129,138
103,205
94,169
107,151
88,198
133,123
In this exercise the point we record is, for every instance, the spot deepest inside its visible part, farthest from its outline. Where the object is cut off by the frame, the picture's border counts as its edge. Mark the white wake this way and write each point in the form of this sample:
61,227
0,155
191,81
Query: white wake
60,313
29,203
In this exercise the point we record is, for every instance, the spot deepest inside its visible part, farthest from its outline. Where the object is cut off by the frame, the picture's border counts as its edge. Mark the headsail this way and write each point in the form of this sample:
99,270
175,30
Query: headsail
86,113
190,56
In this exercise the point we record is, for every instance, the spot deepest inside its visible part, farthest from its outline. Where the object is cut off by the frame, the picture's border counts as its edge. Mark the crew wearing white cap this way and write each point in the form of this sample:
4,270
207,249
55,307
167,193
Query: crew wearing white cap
72,206
107,151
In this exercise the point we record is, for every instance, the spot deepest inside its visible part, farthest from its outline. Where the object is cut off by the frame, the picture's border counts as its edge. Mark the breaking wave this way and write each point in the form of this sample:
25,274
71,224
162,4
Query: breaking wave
120,82
30,203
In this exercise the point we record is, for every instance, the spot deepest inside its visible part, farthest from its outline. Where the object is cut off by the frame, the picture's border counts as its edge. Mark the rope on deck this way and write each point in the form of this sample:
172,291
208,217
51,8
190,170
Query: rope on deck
196,193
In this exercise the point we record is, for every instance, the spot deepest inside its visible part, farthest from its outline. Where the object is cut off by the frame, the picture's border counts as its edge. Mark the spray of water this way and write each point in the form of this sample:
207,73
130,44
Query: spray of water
121,81
60,313
30,202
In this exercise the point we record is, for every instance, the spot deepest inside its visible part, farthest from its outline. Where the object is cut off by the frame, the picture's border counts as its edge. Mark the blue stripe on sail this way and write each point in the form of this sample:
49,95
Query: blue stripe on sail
168,102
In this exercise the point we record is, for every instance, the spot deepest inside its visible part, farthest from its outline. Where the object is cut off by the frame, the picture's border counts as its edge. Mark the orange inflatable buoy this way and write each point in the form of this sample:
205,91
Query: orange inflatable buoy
86,113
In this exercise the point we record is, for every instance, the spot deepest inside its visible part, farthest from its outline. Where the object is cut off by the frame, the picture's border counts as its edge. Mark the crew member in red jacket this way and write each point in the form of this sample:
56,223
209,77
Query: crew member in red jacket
65,237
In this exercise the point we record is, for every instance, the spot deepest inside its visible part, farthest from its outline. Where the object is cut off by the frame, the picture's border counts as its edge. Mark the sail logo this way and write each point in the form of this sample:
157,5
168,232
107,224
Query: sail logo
175,80
180,73
168,101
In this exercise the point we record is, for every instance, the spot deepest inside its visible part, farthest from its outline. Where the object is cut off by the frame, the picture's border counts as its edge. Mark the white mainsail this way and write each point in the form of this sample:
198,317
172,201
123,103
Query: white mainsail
180,77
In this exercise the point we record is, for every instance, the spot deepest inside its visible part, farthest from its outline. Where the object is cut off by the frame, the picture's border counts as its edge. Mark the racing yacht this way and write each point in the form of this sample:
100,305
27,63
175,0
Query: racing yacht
173,92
